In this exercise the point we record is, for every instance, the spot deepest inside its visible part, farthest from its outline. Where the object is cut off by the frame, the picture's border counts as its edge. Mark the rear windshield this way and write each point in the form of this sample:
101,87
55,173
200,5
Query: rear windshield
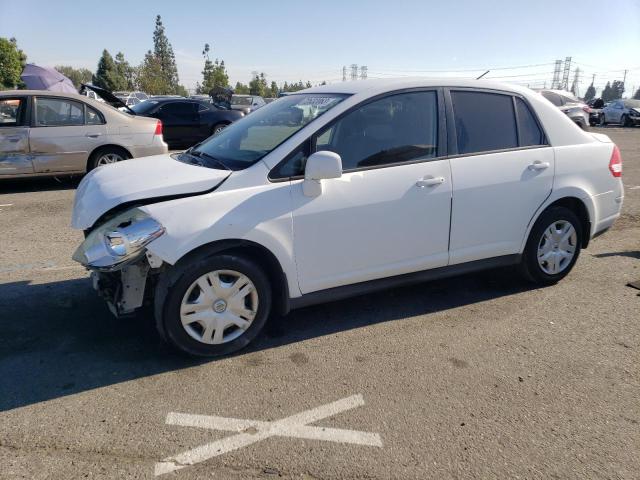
144,107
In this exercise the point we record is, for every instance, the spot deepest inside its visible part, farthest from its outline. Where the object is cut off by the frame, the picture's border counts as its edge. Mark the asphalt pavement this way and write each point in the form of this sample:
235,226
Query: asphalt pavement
480,376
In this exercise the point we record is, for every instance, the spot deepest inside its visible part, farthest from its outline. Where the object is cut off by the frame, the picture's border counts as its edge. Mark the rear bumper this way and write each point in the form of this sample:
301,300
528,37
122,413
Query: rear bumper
156,148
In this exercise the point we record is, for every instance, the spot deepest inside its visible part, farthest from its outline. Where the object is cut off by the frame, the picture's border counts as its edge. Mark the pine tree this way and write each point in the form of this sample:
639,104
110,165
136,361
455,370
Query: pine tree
618,89
163,51
124,73
151,78
274,90
607,94
106,75
590,94
636,96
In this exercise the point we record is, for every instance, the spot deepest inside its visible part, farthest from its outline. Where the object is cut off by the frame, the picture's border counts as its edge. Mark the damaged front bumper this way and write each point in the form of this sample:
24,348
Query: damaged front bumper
119,262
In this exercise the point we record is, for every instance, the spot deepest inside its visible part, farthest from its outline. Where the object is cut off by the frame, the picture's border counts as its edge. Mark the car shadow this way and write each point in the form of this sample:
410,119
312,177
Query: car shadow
35,184
628,253
59,338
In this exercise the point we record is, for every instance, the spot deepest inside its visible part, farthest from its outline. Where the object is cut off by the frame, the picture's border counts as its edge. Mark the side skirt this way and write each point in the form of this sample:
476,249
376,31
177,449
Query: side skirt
347,291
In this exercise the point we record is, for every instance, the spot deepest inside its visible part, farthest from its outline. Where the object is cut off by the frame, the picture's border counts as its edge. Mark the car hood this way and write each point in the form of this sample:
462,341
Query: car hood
149,178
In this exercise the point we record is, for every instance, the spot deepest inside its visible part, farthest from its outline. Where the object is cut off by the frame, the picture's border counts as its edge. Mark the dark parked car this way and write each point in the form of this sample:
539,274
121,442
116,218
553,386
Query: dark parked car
185,121
595,115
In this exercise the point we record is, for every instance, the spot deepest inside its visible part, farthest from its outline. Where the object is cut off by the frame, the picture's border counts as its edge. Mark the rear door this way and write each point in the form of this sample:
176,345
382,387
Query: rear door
502,172
180,122
60,141
14,137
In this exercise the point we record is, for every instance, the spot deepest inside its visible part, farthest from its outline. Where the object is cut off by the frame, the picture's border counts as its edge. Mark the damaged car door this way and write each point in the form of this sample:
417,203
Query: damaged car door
14,137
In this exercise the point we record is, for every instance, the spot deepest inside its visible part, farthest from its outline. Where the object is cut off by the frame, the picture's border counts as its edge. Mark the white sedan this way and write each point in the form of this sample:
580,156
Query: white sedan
386,183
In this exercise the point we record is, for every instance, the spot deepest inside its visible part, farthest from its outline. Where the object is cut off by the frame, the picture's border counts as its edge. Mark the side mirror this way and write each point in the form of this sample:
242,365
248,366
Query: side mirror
320,166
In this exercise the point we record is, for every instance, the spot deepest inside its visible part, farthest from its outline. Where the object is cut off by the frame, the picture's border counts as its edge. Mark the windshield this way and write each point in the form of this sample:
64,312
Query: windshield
632,103
245,142
144,107
236,100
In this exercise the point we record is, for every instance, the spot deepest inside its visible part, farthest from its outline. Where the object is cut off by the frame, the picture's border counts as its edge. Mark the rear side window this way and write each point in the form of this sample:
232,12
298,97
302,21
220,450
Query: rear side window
56,112
553,98
93,117
484,121
528,129
179,108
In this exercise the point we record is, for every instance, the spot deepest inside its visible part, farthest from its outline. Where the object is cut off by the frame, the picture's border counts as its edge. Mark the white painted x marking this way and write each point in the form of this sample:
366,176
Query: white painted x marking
252,431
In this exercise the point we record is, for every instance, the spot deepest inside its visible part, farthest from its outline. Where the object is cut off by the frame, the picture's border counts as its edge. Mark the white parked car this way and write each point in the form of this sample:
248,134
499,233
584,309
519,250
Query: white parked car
390,182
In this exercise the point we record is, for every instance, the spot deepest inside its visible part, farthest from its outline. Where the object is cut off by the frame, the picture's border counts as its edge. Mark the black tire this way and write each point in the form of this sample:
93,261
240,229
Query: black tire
529,266
626,121
95,157
603,121
173,286
218,127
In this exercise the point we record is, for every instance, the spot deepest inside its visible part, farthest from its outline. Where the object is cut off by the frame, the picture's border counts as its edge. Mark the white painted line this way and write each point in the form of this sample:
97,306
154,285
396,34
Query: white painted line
630,188
253,431
6,204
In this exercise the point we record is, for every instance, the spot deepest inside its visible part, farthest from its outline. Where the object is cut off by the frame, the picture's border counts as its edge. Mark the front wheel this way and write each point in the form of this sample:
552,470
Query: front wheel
214,306
553,246
626,121
218,128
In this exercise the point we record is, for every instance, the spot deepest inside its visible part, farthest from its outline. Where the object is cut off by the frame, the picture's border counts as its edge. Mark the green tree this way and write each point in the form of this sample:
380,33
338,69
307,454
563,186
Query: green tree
106,75
241,89
12,62
636,96
274,91
258,86
214,74
125,73
163,52
618,88
607,93
590,94
77,75
150,76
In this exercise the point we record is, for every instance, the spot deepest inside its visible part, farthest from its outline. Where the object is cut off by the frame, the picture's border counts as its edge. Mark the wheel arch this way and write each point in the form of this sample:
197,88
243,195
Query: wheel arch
107,146
578,203
255,252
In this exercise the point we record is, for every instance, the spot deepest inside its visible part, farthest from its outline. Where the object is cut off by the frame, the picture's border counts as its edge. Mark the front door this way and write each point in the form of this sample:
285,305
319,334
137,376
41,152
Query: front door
59,140
389,212
14,137
502,174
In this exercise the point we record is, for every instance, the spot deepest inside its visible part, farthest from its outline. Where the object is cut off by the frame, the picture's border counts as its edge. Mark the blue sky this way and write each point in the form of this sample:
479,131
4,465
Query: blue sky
292,40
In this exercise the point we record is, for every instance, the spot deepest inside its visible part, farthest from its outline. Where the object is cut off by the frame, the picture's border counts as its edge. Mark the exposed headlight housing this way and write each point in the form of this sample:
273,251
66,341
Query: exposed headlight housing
118,240
634,113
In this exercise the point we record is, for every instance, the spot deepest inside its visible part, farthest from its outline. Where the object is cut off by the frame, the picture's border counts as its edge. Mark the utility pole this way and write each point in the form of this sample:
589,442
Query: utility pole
354,71
555,83
344,73
624,79
363,72
576,82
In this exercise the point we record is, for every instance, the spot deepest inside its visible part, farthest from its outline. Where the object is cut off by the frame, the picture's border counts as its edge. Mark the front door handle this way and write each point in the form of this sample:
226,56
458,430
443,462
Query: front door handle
93,135
13,139
430,182
538,165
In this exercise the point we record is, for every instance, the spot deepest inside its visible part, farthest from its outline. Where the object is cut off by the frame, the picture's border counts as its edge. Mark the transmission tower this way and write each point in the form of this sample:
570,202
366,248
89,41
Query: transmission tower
363,72
565,74
575,85
354,71
344,73
555,83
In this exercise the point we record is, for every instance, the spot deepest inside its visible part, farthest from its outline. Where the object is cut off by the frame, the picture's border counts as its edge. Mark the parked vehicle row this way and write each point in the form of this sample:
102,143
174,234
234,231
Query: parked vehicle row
570,105
624,112
377,184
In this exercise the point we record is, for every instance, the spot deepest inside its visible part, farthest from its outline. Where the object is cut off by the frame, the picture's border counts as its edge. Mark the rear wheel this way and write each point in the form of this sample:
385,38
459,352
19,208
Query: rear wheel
106,156
553,246
603,120
214,306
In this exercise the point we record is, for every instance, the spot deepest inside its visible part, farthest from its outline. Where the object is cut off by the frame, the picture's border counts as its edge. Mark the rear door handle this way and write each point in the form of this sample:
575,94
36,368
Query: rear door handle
538,165
13,139
93,135
430,182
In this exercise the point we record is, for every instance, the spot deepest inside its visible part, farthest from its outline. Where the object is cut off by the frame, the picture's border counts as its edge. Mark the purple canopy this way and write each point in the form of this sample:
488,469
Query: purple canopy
46,78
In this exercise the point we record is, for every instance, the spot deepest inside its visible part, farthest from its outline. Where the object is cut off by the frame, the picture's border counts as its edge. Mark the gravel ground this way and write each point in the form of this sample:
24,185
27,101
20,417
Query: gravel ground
479,376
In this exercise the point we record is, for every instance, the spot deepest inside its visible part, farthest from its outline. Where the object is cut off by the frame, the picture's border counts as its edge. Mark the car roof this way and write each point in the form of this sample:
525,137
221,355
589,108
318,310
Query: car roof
373,86
48,93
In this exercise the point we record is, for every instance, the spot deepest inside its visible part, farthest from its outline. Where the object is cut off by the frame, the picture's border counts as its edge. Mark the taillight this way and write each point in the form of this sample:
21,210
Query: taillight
158,128
586,109
615,164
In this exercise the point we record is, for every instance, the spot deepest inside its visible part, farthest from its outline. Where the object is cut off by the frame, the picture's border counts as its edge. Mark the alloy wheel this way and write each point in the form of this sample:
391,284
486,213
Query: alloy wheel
219,306
108,158
557,247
